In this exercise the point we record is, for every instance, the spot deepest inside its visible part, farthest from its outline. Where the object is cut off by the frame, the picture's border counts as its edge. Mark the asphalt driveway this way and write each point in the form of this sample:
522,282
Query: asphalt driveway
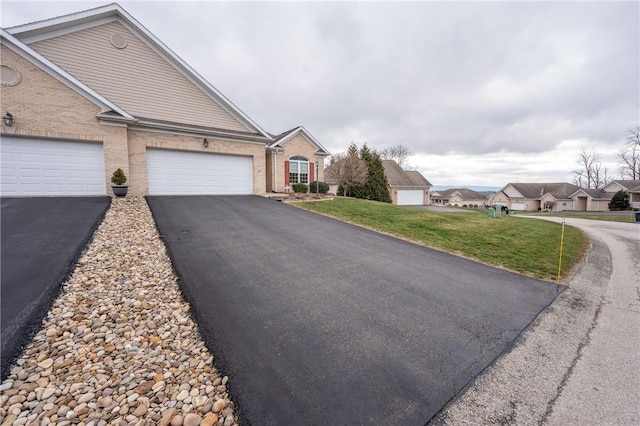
321,322
41,238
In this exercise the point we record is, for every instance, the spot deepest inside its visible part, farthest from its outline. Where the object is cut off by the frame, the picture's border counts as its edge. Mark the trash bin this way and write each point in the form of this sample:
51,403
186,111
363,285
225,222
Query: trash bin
638,217
492,212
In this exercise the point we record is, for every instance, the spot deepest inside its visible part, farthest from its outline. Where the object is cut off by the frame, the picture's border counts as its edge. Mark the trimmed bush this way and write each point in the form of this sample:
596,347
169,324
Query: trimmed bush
118,177
620,201
323,188
300,188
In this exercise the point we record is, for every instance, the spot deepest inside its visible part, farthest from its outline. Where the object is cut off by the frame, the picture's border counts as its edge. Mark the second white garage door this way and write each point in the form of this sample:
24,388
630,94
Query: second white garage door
196,173
410,197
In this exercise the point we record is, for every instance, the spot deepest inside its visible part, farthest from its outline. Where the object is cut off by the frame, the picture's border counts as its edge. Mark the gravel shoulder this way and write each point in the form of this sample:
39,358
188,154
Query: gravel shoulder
118,346
578,363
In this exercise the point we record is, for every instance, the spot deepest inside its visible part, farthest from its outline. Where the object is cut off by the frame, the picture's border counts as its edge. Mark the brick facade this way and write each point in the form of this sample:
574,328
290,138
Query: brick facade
296,146
140,140
44,107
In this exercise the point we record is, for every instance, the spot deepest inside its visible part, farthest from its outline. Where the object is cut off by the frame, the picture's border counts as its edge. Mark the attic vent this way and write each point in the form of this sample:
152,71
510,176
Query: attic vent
9,76
119,41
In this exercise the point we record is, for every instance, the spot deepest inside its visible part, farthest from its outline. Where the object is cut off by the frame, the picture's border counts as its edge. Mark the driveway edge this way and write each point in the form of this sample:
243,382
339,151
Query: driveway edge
522,385
15,338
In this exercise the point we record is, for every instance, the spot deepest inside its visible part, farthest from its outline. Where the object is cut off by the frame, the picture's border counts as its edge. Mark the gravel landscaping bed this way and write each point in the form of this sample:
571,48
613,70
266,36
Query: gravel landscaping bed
118,346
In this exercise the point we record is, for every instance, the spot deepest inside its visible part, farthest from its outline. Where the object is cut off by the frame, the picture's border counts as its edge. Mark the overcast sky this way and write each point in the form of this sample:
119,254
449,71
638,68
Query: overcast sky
482,93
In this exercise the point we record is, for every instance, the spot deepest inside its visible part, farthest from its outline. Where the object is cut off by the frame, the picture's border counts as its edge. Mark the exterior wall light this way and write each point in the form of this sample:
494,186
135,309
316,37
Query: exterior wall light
8,119
205,142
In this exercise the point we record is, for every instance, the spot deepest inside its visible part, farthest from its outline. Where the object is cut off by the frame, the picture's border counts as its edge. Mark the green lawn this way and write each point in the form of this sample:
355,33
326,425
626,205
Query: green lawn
524,245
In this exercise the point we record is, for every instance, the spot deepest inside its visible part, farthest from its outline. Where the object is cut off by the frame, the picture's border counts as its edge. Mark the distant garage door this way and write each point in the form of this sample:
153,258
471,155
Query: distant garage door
44,167
194,173
410,197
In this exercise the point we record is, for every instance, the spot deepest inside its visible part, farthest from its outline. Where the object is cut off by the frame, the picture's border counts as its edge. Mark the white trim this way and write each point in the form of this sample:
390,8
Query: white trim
40,36
114,11
305,133
61,75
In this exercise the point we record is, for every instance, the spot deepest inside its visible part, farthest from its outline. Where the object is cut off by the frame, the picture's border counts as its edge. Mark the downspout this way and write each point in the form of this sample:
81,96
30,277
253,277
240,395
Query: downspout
274,172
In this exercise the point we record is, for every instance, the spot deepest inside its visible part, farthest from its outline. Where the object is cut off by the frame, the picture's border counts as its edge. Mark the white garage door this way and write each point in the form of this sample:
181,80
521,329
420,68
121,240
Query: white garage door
410,197
518,206
42,167
192,173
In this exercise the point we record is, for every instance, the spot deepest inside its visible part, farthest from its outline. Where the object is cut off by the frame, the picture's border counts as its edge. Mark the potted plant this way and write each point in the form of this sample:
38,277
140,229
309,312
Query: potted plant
118,179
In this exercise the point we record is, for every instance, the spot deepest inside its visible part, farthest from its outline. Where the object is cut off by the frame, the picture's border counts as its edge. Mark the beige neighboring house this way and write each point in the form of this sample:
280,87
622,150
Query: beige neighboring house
632,187
295,156
331,180
406,187
591,200
459,197
564,196
94,91
536,196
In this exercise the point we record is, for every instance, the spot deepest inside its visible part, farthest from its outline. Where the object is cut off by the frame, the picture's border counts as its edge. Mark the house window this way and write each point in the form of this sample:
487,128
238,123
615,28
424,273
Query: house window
298,170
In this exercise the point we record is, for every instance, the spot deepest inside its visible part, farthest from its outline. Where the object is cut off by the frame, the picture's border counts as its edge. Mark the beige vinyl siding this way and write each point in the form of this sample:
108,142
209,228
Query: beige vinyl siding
135,78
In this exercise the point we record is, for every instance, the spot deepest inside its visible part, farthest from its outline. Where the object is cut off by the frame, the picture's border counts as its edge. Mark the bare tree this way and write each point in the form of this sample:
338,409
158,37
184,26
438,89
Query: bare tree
349,169
398,153
630,155
590,172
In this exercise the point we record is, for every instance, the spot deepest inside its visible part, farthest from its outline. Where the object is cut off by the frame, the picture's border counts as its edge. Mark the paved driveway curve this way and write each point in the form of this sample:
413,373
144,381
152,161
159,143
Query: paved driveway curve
40,240
578,363
321,322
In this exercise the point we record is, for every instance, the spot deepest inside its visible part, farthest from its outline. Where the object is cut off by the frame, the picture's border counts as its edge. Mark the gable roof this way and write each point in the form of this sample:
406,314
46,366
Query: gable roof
43,30
398,177
629,185
283,137
108,109
561,190
596,194
464,193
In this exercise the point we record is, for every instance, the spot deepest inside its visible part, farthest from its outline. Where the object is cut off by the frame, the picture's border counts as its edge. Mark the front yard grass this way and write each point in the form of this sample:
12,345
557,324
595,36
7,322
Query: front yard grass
527,246
629,217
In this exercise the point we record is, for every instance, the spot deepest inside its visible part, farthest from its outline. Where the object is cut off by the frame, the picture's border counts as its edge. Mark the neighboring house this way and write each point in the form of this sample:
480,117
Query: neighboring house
591,200
459,197
407,187
331,179
564,196
94,91
294,157
632,187
536,196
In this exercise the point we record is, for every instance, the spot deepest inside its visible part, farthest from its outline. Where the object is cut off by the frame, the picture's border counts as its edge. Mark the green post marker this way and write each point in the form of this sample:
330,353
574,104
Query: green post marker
561,246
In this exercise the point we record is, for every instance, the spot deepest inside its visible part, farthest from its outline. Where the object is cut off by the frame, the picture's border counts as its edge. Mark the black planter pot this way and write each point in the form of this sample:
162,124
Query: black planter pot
120,190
